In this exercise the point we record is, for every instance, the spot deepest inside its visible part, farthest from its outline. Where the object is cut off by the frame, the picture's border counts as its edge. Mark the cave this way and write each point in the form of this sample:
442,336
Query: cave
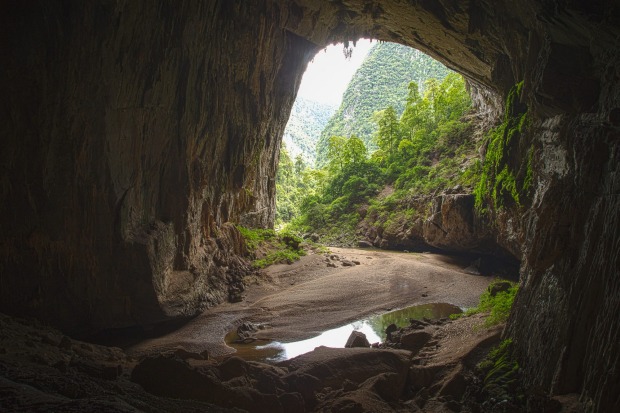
135,134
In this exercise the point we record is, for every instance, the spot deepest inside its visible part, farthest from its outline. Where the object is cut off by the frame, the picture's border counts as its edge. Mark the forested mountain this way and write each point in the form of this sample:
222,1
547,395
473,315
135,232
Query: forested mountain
307,120
380,82
425,150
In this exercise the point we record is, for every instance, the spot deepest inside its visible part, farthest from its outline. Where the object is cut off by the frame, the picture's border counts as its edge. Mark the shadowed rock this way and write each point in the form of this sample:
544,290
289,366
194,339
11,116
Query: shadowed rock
357,339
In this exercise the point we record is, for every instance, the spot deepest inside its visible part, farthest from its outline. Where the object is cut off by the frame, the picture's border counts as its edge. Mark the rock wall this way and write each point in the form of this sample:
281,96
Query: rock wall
131,134
447,222
133,131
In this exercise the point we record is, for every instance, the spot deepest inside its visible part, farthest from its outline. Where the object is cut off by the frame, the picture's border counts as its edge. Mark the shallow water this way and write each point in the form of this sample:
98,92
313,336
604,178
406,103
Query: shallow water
374,328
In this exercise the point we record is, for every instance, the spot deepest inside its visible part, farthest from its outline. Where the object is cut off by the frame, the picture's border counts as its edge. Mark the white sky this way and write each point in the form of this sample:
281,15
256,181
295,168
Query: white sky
328,75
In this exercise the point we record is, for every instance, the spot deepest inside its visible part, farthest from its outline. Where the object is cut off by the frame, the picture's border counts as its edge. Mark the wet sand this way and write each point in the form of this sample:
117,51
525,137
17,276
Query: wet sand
301,300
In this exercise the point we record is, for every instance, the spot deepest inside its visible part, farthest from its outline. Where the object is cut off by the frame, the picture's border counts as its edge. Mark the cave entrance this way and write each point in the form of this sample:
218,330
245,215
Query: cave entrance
382,150
374,139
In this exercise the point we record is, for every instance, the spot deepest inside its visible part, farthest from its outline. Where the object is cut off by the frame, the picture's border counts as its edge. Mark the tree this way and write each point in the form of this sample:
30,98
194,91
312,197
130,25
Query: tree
300,165
354,150
381,81
335,153
388,134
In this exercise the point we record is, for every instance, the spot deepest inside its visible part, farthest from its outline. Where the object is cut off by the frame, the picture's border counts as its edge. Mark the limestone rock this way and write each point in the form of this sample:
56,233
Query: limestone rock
333,366
357,339
129,142
415,340
172,377
499,287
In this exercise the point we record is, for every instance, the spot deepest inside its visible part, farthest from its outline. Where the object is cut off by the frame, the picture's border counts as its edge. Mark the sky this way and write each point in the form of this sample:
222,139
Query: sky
328,75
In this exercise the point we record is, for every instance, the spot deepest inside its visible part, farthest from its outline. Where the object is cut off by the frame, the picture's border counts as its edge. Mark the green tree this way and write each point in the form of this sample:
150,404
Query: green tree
381,81
388,133
287,198
300,165
354,150
335,153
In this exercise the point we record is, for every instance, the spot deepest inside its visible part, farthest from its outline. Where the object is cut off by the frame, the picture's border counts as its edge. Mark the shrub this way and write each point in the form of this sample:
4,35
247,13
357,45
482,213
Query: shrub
497,303
254,236
282,247
290,240
279,256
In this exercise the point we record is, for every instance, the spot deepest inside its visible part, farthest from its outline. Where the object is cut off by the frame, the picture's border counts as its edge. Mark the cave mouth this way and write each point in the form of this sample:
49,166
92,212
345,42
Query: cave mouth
123,130
373,197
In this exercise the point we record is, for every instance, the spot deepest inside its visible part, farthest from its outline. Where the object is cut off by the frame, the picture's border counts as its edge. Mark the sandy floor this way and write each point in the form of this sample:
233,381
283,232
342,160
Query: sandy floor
301,300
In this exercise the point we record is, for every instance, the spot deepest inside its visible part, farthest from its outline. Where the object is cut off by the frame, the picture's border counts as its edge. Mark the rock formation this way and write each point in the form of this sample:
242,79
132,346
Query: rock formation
133,133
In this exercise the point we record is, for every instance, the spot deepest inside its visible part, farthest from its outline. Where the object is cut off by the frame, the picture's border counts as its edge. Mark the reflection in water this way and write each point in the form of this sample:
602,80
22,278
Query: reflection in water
374,328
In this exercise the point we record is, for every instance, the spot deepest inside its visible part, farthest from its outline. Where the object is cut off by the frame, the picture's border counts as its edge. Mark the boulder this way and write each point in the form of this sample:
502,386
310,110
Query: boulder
390,330
417,324
415,340
332,366
474,267
364,244
172,377
357,339
499,287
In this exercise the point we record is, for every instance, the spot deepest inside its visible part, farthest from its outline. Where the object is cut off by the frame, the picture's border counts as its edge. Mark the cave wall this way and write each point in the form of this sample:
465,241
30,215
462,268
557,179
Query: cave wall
134,132
564,324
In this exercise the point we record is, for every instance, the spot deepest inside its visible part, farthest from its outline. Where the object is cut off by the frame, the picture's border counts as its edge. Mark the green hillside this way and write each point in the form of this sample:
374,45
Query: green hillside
381,81
307,120
426,150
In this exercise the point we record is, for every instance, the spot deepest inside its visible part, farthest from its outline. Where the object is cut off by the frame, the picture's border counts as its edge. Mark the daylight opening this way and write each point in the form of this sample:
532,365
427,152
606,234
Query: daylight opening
359,158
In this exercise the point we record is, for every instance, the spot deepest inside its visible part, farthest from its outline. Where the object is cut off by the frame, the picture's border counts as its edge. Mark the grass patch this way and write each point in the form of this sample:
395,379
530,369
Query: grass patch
255,236
496,301
278,257
268,247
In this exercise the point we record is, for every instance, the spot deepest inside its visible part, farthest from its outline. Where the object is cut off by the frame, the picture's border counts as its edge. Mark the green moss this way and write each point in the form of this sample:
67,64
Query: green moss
285,255
254,236
500,372
282,247
498,184
512,99
529,172
505,183
496,304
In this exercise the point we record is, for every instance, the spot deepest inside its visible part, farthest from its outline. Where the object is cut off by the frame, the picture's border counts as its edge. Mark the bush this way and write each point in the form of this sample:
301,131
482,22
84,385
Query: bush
283,247
496,301
254,236
280,256
290,240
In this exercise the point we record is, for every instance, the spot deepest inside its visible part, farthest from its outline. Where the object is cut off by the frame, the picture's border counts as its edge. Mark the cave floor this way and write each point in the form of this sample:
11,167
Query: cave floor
323,291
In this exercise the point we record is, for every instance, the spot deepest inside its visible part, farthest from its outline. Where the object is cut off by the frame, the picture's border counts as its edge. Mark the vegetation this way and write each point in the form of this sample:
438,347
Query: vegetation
280,256
496,301
420,144
381,81
296,185
269,247
254,237
500,183
500,375
424,150
307,120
